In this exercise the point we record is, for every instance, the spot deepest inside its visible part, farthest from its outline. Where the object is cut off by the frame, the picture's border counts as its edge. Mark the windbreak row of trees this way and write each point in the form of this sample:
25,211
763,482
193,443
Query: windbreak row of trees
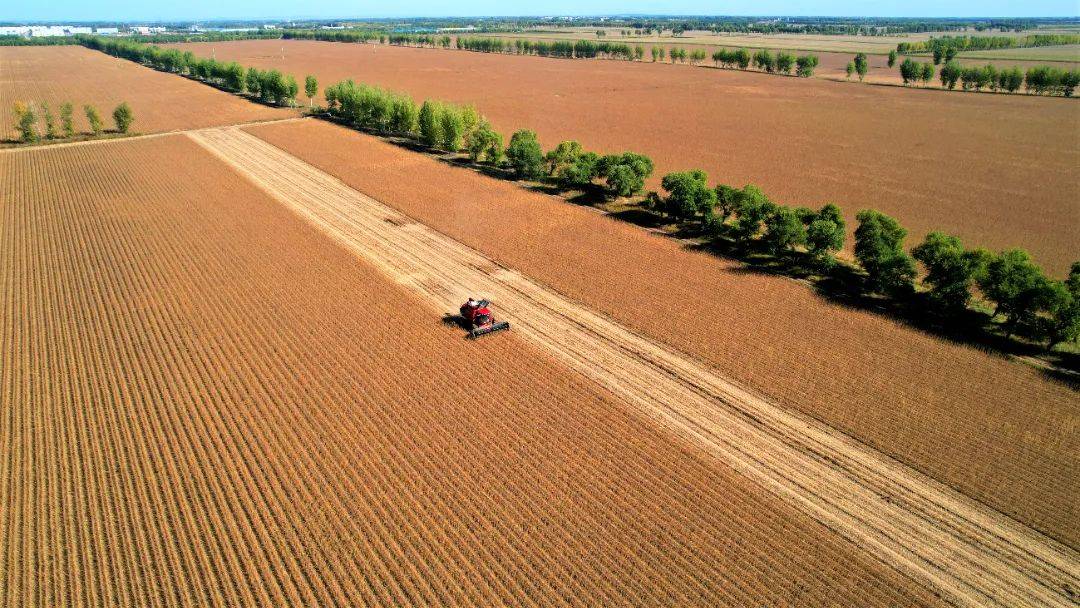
983,43
580,49
955,279
268,86
61,126
1027,301
1039,80
460,128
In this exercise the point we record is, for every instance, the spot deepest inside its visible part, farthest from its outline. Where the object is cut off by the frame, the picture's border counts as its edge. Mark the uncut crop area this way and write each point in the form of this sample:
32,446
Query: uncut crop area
996,170
160,102
205,401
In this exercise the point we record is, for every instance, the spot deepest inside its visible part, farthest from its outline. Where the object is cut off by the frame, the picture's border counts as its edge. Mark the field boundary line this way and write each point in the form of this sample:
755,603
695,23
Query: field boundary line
88,142
964,550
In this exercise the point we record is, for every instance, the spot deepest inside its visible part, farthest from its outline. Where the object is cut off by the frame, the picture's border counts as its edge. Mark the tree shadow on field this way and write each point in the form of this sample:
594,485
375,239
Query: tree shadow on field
840,283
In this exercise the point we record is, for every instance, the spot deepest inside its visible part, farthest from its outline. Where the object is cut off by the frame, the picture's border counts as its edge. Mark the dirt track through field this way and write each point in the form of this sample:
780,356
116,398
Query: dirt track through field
971,554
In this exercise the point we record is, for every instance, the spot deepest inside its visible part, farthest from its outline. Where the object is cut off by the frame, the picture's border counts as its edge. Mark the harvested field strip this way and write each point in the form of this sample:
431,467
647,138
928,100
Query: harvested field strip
995,430
196,409
961,549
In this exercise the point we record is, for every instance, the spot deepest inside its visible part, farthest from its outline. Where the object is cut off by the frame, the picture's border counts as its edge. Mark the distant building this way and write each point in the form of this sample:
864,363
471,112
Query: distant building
107,31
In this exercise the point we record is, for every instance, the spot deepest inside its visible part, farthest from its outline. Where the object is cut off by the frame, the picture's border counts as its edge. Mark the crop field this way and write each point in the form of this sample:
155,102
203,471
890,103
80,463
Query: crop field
161,102
996,430
206,401
992,169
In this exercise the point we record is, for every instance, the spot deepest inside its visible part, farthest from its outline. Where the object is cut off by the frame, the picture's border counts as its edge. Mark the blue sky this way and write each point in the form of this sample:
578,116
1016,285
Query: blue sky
127,10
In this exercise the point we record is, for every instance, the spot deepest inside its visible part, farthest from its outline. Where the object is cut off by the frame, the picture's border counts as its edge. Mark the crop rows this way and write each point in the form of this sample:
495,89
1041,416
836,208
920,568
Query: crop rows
993,429
203,401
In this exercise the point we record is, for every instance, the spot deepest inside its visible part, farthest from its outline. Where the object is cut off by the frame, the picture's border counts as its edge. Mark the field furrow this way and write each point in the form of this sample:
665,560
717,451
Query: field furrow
971,554
206,401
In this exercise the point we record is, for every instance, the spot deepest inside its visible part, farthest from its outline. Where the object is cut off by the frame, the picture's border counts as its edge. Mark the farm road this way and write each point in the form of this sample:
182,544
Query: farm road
972,555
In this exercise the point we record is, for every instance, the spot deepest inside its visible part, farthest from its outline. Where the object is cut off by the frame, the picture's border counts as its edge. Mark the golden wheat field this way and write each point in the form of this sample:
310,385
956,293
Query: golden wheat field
206,401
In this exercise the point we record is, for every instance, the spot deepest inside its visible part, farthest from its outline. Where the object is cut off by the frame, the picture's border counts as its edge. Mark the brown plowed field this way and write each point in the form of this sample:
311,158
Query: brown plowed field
998,171
161,102
204,401
996,430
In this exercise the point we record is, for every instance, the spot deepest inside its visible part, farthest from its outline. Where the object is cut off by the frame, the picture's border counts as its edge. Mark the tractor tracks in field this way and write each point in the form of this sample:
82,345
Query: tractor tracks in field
967,552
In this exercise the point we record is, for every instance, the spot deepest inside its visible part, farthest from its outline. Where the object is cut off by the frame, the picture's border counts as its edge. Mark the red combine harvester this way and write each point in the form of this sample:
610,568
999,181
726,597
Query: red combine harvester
477,318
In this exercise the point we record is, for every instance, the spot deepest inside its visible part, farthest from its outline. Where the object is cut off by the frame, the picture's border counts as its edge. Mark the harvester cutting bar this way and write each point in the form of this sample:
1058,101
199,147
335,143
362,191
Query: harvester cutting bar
476,332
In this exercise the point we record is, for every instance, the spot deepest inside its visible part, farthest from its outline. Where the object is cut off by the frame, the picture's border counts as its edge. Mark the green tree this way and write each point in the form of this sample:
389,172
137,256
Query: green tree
689,195
625,173
67,120
580,173
1015,285
862,65
485,143
879,249
93,119
50,121
525,156
311,88
451,129
825,234
850,69
429,124
785,62
562,155
909,70
784,230
950,270
123,116
950,73
805,64
752,208
742,57
253,82
639,52
926,73
404,115
26,123
1063,304
727,201
892,58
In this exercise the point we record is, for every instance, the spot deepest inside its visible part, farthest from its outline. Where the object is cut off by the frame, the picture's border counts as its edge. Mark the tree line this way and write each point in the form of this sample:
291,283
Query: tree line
62,125
986,43
1029,303
268,86
1038,80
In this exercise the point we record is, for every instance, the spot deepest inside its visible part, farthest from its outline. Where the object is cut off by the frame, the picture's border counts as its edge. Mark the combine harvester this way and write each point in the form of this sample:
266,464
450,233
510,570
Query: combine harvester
475,316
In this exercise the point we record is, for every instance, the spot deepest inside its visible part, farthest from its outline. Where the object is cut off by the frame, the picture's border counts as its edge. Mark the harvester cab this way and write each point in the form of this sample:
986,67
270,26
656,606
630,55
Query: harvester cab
477,318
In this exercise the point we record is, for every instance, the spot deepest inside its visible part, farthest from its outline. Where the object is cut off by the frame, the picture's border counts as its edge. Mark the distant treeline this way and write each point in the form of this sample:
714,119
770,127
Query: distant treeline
985,43
36,41
580,49
268,86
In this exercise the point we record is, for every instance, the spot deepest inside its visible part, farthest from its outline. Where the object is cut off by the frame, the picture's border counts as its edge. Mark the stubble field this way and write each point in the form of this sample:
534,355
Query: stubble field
161,102
995,430
205,401
998,171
